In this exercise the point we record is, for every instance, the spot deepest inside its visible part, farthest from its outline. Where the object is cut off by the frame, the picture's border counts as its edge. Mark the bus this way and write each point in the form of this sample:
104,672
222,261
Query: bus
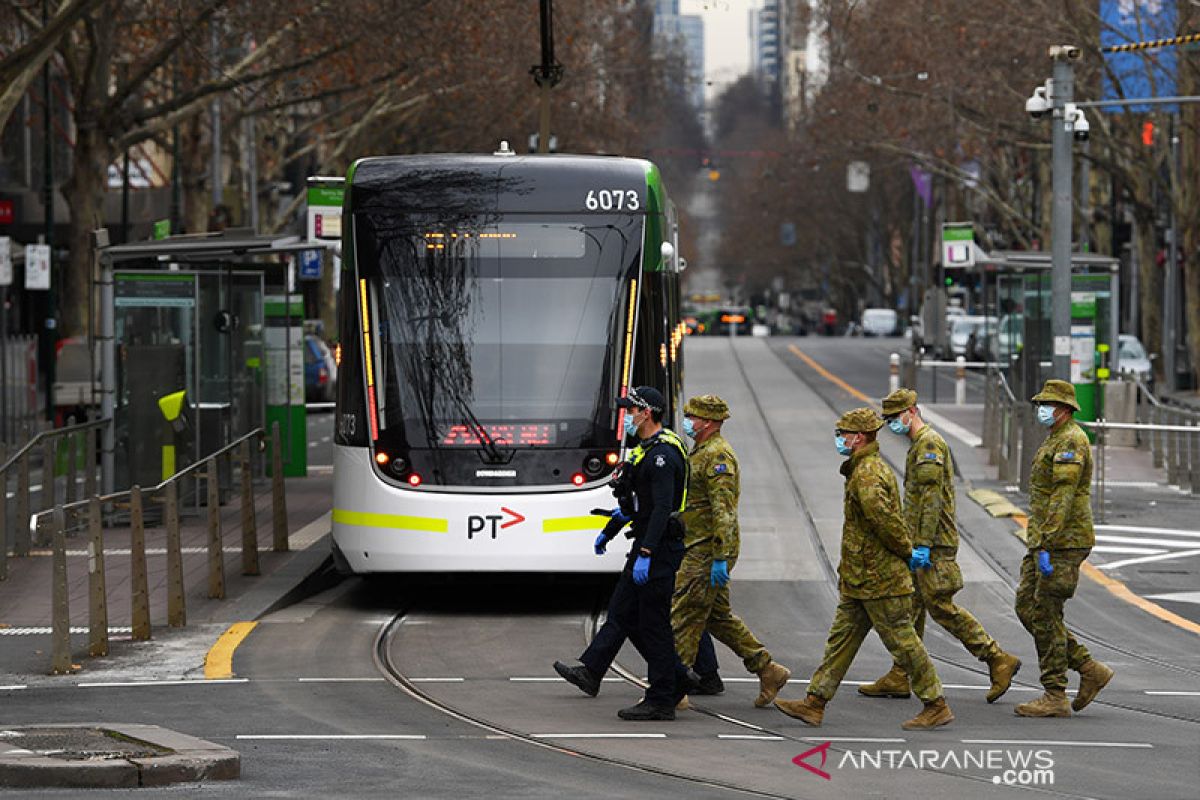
493,310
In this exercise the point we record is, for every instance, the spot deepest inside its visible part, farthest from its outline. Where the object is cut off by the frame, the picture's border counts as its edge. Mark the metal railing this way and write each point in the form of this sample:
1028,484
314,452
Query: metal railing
58,445
135,499
21,402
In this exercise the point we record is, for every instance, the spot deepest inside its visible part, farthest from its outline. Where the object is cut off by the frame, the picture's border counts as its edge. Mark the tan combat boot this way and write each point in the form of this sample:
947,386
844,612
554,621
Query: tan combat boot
1051,704
893,684
1002,668
1093,676
810,710
771,679
935,714
684,704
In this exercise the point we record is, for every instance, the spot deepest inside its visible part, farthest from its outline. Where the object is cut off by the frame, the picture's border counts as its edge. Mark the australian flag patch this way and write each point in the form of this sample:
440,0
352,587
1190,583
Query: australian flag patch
720,468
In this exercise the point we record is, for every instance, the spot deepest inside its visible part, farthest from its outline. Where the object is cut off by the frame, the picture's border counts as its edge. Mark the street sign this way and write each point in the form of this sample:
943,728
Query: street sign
6,272
958,244
858,176
37,266
310,265
325,210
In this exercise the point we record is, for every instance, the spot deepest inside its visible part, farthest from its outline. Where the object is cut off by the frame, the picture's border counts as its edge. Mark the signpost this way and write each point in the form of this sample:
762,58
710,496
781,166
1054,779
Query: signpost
37,267
958,245
325,197
310,265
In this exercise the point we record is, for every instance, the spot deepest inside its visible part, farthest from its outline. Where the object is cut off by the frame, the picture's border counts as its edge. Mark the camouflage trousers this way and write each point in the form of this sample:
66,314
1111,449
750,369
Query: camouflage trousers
1040,601
698,606
891,617
936,587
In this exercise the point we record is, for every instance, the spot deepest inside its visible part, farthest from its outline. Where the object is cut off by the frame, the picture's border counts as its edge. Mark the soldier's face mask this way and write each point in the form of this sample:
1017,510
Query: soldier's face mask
689,428
1045,415
843,447
898,426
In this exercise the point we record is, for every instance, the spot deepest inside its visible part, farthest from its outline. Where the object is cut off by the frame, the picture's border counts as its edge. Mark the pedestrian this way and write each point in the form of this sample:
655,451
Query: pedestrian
651,490
712,538
929,510
1059,538
874,586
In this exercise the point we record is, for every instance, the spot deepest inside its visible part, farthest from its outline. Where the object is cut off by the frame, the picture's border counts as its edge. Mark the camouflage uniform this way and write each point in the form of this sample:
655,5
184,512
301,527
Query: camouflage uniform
1060,523
929,510
874,583
711,534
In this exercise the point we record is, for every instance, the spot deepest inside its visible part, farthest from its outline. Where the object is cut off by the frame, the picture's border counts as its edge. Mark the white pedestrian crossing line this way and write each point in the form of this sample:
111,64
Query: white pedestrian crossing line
1154,531
1127,551
1129,562
1165,693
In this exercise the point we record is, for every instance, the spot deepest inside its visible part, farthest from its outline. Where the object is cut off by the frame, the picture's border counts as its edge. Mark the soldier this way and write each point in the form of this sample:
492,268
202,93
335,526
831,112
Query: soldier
1059,538
874,586
712,538
929,509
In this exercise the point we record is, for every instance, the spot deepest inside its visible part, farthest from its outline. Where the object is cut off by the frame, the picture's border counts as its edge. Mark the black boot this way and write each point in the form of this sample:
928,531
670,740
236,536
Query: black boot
581,676
687,682
710,684
644,712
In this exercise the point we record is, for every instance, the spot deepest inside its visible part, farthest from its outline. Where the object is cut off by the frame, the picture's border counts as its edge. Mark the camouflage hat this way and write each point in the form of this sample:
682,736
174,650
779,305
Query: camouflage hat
860,420
899,401
1056,391
707,406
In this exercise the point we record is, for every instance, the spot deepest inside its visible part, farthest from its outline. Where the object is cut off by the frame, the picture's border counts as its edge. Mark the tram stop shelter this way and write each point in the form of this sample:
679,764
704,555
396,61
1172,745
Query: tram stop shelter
208,316
1016,289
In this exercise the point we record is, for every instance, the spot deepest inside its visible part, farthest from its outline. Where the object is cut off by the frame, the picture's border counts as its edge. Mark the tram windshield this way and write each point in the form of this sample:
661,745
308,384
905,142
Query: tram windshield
504,332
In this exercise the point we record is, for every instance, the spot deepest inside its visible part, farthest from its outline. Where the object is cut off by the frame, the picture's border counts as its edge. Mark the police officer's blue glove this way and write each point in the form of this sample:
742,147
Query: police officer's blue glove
1043,562
919,558
601,544
719,575
641,570
618,515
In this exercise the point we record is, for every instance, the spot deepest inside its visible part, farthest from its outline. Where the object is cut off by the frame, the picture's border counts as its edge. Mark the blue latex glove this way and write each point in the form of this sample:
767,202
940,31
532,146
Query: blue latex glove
719,576
1044,565
618,515
601,544
919,558
641,570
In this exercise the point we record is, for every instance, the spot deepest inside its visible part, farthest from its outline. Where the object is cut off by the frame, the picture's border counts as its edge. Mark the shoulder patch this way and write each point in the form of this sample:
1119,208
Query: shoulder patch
1066,457
660,461
721,467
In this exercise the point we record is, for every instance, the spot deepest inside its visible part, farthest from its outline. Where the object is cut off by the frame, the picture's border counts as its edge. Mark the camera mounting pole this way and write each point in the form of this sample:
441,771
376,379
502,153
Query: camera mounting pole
546,75
1062,136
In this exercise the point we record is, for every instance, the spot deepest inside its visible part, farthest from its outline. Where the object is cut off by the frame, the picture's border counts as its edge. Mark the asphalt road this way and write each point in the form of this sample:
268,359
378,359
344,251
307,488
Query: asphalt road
385,688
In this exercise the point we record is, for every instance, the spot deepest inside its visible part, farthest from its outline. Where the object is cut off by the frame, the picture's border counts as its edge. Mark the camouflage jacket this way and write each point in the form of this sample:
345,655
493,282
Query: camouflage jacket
929,491
875,543
1060,488
712,500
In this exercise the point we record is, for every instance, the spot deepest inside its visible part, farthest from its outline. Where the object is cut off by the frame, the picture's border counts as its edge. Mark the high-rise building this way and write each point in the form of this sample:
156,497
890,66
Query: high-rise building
683,33
780,35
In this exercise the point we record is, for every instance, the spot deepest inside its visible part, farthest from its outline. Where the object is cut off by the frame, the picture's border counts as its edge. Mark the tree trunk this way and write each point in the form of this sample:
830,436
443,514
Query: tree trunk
84,193
193,155
1150,285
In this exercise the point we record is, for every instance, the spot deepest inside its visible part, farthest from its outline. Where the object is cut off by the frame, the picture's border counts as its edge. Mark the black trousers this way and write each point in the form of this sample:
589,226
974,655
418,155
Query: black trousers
606,644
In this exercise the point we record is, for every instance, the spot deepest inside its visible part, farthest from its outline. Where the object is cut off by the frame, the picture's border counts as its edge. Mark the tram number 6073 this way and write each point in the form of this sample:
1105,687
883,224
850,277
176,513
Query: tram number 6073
614,199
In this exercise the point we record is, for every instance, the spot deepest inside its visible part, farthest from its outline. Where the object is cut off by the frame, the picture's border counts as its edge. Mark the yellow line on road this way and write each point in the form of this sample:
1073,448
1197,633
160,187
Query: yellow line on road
829,376
218,664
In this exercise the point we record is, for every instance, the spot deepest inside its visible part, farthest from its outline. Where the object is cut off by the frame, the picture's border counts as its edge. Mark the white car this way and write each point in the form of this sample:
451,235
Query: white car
963,328
1133,359
880,322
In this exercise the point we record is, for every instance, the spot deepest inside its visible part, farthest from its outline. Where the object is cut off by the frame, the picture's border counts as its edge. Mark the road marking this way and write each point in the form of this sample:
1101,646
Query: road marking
1126,551
598,735
332,736
944,425
868,739
1108,537
540,679
1128,562
14,688
1177,597
1045,743
754,736
43,631
829,376
340,680
218,664
1133,485
1148,691
190,682
437,680
1156,531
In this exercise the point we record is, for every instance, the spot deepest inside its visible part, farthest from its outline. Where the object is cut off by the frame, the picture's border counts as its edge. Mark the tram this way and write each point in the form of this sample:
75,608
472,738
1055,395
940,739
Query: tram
493,309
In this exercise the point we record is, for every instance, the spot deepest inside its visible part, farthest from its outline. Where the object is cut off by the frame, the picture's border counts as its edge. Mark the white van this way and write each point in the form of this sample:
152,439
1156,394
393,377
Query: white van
879,322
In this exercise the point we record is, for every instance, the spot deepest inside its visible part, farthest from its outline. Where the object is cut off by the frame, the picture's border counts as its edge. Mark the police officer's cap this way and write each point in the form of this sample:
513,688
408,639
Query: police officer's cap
860,420
898,402
1056,391
643,397
707,406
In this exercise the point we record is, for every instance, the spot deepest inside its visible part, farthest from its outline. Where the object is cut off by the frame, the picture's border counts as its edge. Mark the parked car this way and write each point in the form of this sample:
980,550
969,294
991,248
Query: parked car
1133,359
320,371
1009,337
967,333
880,322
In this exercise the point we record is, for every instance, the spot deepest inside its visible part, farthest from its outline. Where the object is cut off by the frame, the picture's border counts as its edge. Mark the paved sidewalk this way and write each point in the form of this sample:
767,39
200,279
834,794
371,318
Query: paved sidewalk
25,598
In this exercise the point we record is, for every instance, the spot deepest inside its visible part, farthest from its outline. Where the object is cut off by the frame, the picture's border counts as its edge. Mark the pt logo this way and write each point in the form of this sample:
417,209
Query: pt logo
478,523
823,749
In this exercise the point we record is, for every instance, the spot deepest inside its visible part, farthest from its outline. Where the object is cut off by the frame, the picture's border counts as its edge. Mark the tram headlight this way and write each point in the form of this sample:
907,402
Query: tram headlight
382,459
612,458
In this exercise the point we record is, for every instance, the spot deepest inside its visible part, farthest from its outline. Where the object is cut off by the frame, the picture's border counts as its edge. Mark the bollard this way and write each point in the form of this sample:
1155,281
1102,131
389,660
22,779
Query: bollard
249,523
21,523
960,381
893,372
89,462
176,602
1156,438
139,586
69,445
1194,458
60,658
279,525
97,591
1174,457
3,515
216,558
49,500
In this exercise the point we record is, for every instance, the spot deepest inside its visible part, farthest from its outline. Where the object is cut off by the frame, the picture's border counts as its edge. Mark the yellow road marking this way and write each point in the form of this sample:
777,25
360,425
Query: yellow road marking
218,664
567,524
368,520
829,376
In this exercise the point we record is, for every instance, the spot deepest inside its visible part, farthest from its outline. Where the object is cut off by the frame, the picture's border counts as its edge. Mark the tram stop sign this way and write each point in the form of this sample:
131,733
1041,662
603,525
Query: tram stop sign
958,244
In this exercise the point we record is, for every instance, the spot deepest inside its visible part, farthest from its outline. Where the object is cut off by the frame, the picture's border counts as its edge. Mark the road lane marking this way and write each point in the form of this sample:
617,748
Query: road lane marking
598,735
1148,691
35,630
332,736
437,680
1046,743
1126,551
340,680
218,664
187,682
753,736
867,739
14,688
829,376
1108,537
947,426
1156,531
1177,597
542,679
1129,562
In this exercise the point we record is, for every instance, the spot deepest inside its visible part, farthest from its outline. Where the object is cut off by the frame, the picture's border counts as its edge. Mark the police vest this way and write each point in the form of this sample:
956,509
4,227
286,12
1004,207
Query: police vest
670,437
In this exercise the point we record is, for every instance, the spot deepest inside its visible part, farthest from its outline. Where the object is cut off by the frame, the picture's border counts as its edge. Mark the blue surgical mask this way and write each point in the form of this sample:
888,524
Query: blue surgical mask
630,426
839,442
688,428
1045,415
897,426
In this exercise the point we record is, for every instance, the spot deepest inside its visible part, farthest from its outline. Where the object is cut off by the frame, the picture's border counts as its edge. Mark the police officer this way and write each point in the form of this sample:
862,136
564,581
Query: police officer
1059,538
640,607
874,586
712,538
929,509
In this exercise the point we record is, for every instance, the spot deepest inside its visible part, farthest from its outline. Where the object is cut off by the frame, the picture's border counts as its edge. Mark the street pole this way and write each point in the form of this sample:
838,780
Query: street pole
1061,211
51,323
1170,313
215,171
1085,199
108,364
546,74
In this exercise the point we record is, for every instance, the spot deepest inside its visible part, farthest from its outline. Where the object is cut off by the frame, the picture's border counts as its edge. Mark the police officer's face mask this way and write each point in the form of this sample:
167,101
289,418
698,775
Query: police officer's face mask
631,425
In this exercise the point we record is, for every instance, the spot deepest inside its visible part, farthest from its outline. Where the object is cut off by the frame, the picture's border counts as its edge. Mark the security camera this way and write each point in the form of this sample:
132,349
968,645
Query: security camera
1037,106
1082,127
1065,52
